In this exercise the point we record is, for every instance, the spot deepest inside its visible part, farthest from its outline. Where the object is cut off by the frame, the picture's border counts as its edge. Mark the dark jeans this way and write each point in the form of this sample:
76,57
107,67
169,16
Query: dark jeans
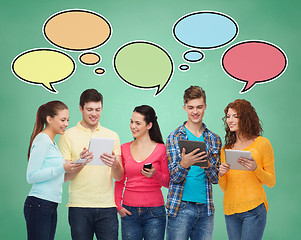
247,225
84,222
145,222
41,218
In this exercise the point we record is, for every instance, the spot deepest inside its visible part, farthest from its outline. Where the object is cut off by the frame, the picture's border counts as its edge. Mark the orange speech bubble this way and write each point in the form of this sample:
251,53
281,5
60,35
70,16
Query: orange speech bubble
77,29
89,58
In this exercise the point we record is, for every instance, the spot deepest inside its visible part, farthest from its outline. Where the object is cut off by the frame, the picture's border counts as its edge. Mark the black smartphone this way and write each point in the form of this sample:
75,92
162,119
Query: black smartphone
147,166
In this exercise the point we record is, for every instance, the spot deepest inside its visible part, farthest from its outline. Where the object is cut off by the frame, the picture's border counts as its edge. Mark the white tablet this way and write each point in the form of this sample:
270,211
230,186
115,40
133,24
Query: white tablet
233,155
98,146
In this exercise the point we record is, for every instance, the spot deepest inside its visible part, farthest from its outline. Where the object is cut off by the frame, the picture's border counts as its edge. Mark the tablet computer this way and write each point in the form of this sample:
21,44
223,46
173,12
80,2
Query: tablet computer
98,146
192,145
232,156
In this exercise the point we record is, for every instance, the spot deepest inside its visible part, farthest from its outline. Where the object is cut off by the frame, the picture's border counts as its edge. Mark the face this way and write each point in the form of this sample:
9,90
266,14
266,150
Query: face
195,110
91,114
59,122
138,125
232,120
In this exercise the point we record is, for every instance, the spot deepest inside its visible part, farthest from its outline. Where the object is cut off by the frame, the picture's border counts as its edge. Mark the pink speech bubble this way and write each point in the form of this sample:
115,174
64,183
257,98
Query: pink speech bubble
254,62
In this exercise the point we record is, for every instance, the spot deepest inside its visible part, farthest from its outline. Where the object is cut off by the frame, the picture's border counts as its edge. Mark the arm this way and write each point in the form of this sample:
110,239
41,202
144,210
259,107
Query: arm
38,154
163,177
176,171
266,174
224,168
214,159
118,191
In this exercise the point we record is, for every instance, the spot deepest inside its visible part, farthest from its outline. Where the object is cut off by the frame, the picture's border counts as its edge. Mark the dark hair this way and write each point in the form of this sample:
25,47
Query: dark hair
150,117
248,124
194,92
48,109
90,95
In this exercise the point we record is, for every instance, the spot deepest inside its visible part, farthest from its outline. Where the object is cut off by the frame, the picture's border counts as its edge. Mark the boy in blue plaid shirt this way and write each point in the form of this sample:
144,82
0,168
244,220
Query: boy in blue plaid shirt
189,202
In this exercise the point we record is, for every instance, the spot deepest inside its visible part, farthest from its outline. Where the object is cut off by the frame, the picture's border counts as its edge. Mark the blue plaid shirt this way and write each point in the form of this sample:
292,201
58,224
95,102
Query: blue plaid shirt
178,174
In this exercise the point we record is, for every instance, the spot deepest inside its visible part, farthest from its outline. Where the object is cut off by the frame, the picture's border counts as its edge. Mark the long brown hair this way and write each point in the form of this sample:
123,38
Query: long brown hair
48,109
249,123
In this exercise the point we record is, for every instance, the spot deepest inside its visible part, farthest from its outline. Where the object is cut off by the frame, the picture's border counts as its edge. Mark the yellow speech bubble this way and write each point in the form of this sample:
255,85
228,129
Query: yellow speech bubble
44,67
77,29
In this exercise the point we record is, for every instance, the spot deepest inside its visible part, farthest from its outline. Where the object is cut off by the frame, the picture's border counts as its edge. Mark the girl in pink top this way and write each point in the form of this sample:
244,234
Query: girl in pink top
142,210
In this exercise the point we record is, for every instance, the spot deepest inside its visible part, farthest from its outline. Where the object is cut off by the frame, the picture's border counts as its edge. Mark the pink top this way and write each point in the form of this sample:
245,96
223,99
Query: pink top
141,191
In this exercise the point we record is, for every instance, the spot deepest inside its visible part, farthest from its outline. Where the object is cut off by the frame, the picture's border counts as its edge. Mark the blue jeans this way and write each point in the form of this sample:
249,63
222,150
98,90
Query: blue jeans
145,222
247,225
84,222
191,221
41,218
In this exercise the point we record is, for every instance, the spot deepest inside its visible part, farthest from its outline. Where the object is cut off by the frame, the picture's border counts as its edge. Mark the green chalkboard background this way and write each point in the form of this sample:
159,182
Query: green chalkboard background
277,102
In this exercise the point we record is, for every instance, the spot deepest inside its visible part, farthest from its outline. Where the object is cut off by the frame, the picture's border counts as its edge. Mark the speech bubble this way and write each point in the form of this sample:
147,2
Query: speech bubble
205,29
193,56
99,71
184,67
143,65
254,62
77,29
43,67
89,58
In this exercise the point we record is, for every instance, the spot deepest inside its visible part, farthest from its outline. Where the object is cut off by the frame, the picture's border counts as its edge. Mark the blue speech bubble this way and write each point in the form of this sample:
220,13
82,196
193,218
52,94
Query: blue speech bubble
205,30
184,67
193,56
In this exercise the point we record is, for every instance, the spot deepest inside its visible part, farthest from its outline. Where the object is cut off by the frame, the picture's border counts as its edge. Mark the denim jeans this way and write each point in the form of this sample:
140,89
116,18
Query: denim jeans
84,222
247,225
191,221
145,222
41,218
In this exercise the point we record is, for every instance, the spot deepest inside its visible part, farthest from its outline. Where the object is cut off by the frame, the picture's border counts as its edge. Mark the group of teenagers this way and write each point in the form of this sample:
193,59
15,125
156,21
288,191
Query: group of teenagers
95,201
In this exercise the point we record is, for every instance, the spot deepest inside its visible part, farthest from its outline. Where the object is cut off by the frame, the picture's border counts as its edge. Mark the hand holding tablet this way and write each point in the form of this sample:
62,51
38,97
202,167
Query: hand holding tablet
239,160
199,157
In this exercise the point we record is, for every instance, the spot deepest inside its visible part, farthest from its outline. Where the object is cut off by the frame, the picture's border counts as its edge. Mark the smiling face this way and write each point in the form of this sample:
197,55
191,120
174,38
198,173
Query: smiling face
195,110
91,113
138,125
232,120
59,122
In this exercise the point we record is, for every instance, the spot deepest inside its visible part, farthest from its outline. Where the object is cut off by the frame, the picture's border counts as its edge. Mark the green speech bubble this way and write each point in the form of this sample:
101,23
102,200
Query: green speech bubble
44,67
144,65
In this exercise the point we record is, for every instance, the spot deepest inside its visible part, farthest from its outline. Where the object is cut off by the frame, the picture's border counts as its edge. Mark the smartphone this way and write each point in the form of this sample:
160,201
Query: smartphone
147,166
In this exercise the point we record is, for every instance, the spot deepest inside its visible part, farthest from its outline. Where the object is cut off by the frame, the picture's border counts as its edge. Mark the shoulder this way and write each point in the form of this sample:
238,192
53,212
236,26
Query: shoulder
42,138
125,145
161,147
71,131
109,132
175,134
262,141
213,136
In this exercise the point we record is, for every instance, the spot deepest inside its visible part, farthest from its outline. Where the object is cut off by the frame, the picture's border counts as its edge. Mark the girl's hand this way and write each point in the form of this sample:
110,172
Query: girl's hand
85,154
250,164
123,212
223,169
71,167
148,172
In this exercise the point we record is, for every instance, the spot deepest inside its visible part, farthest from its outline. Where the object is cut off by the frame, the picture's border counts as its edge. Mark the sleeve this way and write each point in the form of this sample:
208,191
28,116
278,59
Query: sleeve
38,154
223,180
65,147
177,173
116,148
214,158
163,177
119,187
266,174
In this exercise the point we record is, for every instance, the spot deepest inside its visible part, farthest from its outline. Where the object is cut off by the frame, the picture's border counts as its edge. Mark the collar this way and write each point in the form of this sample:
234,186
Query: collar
80,126
182,128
